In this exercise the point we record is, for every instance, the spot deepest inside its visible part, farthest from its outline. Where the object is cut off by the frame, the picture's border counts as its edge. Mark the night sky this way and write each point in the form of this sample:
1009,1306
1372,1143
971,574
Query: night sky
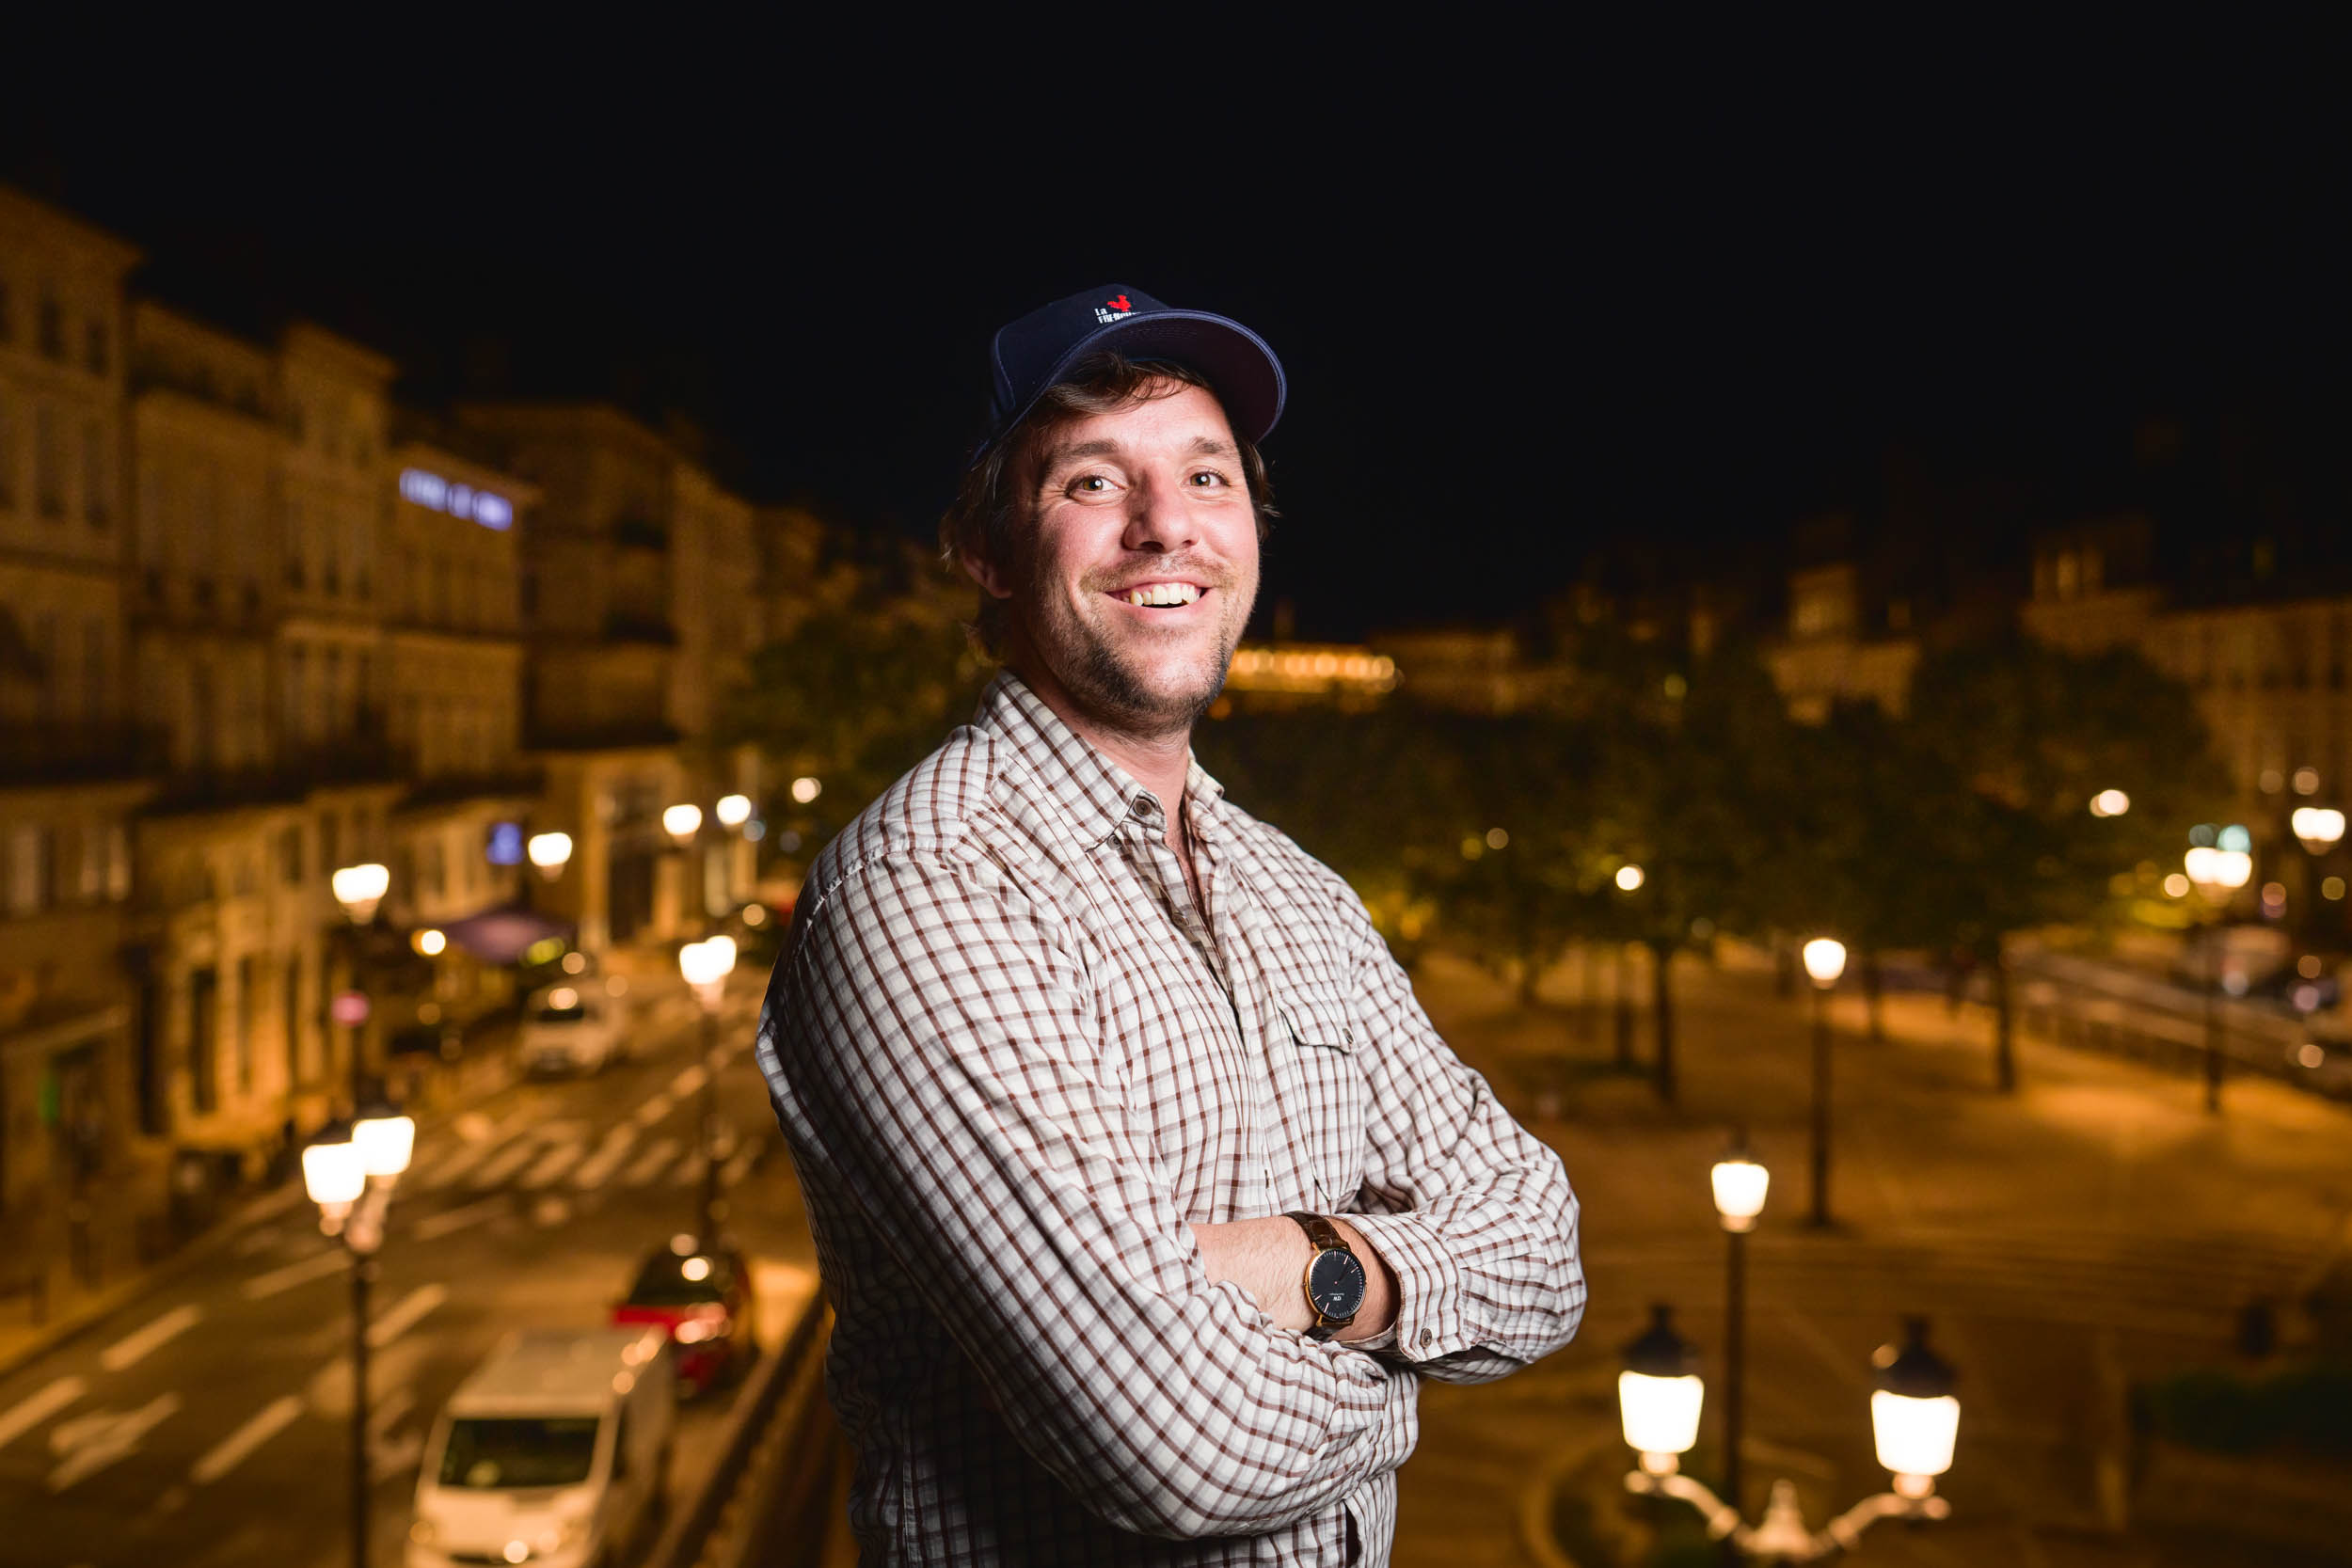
1531,298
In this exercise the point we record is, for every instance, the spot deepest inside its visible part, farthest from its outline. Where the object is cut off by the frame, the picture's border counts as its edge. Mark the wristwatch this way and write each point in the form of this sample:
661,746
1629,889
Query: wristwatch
1335,1277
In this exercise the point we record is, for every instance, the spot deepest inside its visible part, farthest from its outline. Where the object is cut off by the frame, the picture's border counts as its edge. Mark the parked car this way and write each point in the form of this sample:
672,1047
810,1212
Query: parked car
575,1027
702,1299
555,1452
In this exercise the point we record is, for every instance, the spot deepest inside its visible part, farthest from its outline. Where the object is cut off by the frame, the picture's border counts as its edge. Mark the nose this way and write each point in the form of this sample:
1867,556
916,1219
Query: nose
1157,518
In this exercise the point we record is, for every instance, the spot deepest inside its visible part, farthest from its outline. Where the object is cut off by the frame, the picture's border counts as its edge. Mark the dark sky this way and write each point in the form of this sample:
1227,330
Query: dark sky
1531,295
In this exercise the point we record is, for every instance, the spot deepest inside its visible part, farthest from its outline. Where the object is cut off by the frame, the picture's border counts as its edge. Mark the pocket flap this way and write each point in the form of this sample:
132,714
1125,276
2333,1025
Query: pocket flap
1322,1022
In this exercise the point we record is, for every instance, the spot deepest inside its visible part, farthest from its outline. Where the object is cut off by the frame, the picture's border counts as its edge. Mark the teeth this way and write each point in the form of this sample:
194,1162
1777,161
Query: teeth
1164,593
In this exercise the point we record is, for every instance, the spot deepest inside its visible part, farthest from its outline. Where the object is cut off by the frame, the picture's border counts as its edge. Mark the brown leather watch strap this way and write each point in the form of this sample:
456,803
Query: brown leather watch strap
1321,1231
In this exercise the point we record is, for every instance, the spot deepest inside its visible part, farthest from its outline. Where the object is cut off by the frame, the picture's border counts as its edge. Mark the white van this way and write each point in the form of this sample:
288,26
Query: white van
574,1027
555,1452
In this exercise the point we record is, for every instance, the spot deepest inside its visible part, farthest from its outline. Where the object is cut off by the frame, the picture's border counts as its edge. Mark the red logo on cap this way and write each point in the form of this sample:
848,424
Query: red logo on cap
1121,303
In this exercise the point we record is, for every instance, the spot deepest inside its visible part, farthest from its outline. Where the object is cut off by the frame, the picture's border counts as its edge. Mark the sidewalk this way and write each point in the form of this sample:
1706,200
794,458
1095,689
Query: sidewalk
2096,1228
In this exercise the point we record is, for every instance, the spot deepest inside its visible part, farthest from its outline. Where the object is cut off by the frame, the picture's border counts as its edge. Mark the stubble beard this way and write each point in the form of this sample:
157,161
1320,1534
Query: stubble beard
1102,679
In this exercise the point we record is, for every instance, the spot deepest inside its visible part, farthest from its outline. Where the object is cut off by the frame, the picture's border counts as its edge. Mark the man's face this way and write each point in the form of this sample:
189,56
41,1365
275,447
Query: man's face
1146,501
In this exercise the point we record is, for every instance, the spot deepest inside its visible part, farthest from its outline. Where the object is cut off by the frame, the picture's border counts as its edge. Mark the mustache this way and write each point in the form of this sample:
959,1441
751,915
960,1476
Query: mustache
1206,573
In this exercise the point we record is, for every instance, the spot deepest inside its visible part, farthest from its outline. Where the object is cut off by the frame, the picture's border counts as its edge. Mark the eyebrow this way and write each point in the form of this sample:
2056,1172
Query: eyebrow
1207,446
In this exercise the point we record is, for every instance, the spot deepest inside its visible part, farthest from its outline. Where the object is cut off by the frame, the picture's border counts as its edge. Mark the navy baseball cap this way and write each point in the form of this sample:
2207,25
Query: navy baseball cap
1036,352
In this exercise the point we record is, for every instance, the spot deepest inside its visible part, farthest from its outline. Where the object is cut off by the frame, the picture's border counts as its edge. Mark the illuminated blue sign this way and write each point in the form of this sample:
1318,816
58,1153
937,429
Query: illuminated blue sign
430,489
506,844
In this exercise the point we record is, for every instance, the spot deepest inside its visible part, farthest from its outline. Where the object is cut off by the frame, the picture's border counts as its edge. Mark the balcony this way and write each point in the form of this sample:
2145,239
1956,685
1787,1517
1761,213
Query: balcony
68,753
622,627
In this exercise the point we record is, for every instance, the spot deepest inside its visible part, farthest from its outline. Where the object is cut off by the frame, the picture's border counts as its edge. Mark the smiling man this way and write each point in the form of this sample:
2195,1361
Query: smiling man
1146,1193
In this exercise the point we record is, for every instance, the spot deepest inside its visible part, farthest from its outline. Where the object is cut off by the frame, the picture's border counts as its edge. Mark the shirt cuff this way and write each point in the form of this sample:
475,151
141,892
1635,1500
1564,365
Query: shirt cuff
1429,1321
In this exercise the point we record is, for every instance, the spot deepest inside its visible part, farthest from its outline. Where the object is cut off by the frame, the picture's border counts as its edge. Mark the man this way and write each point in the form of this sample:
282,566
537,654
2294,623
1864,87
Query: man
1144,1191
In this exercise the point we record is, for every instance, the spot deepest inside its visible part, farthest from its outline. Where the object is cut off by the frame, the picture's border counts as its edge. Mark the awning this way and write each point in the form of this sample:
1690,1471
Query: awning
502,934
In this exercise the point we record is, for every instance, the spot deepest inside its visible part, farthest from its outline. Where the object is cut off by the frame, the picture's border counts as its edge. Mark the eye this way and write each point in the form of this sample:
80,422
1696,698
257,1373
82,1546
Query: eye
1207,479
1091,485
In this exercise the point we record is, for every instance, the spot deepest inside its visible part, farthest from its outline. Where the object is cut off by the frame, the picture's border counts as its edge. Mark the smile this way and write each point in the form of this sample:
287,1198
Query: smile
1161,596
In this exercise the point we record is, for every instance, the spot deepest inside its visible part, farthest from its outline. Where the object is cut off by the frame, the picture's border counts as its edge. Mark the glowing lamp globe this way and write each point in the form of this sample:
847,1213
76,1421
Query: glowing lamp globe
360,888
549,851
2219,873
2318,827
682,820
1913,1414
732,811
705,963
1740,1187
2110,802
1660,1392
1630,878
385,1143
333,1175
1824,961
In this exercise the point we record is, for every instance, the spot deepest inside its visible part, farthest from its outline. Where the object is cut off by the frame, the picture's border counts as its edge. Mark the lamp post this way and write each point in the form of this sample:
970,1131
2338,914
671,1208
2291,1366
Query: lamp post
1739,1185
2318,828
706,966
351,1181
1914,1421
2217,874
1629,879
1824,961
359,888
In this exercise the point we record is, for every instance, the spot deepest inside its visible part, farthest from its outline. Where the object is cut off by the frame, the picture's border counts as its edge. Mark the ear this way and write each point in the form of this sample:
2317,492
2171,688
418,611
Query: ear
985,572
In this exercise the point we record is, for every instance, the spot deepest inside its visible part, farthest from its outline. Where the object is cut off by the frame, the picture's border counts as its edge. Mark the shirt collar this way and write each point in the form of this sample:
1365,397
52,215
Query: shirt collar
1094,791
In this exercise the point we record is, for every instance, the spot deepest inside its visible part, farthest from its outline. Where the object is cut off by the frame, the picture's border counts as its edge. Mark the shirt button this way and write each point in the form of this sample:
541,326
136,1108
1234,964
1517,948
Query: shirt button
1142,809
1427,1335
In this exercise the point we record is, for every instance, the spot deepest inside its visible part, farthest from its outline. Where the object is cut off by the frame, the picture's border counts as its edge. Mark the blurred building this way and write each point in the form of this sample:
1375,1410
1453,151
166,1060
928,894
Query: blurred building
75,770
1296,674
641,592
258,623
2266,663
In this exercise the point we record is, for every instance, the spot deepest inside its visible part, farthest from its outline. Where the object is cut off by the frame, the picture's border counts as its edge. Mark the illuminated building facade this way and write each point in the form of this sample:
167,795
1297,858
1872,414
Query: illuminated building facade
74,768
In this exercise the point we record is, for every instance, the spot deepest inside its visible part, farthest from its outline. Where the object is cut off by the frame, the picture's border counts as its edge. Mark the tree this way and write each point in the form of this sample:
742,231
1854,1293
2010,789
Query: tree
2024,735
856,693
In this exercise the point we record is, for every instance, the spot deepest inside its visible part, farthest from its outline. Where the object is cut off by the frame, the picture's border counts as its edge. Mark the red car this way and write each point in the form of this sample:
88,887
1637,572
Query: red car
703,1299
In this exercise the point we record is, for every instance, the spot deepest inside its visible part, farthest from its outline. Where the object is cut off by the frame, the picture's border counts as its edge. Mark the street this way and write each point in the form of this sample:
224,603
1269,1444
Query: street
2096,1227
209,1424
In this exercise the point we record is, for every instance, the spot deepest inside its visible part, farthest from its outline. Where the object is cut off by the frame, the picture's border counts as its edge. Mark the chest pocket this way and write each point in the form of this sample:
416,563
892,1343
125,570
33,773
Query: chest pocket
1329,1115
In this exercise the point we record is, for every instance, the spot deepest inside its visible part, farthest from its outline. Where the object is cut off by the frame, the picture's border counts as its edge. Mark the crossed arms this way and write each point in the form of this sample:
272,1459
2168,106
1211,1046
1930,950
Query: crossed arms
931,1044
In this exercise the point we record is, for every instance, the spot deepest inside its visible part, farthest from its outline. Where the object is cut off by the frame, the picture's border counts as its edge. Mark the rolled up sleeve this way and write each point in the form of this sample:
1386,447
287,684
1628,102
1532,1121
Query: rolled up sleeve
1473,1211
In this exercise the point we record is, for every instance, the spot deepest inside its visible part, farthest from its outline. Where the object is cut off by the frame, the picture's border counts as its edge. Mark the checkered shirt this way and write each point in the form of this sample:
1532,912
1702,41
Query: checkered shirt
1013,1064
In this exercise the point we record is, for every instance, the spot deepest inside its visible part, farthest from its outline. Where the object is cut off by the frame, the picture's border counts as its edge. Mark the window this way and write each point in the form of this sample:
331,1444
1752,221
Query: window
48,462
94,355
27,886
117,862
52,328
290,856
96,694
96,492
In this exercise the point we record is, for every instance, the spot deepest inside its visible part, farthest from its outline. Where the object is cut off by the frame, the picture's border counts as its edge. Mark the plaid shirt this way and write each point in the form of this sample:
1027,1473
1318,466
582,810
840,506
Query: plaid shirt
1013,1064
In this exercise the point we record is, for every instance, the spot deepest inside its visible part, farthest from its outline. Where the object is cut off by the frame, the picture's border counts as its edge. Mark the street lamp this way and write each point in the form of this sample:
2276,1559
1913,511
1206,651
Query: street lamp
2318,827
2110,802
2218,874
732,811
1914,1420
1824,961
359,888
549,852
351,1180
682,821
1739,1186
706,966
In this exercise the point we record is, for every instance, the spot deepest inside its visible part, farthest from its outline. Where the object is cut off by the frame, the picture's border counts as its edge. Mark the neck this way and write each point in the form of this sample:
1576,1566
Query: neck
1158,761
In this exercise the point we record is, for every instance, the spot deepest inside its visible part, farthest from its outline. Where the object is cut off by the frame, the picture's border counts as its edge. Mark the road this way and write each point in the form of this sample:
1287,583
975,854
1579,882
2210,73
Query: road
2096,1227
207,1426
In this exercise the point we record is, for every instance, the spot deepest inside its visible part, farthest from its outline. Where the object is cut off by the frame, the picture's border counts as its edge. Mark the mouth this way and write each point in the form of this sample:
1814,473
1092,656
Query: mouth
1161,599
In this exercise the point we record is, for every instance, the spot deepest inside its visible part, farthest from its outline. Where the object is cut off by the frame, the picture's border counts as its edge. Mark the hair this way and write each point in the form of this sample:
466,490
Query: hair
992,503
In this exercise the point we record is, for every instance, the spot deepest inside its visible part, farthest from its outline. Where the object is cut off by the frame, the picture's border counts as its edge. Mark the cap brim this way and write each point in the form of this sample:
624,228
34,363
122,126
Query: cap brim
1237,362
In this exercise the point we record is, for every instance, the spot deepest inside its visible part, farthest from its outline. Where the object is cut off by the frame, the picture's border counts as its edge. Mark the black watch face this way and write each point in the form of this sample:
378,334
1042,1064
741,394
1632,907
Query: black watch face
1336,1284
